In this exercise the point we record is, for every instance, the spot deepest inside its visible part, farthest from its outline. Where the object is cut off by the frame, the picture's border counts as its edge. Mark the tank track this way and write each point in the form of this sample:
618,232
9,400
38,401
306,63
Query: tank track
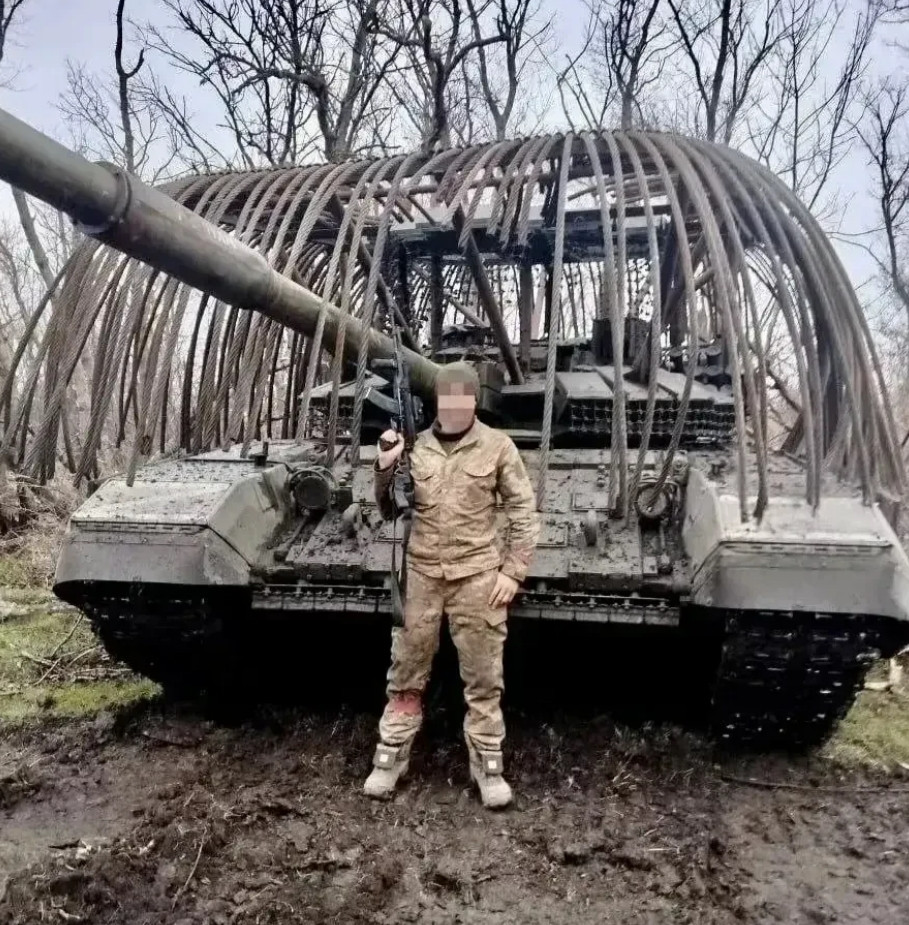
179,642
785,679
211,644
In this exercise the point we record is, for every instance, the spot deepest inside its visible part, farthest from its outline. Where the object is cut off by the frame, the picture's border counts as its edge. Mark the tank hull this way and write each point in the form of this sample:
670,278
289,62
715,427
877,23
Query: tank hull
182,571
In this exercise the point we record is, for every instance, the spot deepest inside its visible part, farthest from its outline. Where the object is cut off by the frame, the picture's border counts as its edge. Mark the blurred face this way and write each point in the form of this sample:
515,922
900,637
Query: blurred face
456,407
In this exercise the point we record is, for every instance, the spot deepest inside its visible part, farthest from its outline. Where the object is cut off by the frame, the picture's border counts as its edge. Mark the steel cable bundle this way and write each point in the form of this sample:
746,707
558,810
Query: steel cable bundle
719,233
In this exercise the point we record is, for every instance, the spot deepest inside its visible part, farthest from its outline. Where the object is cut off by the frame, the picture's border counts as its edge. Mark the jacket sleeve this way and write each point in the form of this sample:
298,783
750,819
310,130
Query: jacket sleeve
382,482
520,506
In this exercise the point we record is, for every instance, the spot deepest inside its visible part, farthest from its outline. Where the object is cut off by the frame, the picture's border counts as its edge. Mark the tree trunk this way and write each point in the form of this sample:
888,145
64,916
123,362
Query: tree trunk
31,235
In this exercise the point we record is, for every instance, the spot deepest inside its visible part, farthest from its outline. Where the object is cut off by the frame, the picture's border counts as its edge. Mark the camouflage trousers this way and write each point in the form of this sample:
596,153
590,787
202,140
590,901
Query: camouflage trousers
478,632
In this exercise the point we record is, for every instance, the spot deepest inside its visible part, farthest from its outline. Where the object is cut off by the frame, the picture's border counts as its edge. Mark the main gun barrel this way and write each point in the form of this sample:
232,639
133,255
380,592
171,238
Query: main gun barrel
142,222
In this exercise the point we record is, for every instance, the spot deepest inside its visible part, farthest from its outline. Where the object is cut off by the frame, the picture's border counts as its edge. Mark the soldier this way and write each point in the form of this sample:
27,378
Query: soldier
459,566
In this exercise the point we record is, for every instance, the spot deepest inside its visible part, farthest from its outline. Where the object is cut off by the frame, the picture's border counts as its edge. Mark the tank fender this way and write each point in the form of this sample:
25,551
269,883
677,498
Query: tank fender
841,558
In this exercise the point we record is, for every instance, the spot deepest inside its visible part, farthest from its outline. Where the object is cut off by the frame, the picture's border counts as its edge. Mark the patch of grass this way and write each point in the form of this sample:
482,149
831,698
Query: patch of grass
32,597
16,572
36,633
875,732
46,701
31,638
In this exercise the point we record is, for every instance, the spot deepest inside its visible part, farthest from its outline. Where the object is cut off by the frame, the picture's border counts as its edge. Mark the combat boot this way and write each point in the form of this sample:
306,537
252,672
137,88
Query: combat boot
486,772
389,766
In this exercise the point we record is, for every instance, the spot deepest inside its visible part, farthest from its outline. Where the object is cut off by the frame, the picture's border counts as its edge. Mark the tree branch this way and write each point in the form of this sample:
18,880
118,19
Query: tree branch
124,76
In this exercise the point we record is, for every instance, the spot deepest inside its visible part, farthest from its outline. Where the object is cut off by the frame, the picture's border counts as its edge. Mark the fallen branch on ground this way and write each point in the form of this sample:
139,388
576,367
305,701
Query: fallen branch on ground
37,659
59,661
192,873
68,636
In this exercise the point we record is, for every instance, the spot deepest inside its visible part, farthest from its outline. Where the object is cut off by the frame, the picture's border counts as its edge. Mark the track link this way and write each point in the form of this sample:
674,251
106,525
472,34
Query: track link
786,679
179,642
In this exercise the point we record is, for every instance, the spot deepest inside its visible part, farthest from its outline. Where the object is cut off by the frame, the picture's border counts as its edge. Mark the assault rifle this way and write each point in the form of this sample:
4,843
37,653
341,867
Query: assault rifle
404,422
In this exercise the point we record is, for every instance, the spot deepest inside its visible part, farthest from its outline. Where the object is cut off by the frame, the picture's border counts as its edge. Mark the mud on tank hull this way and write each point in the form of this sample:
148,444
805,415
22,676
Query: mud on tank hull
179,572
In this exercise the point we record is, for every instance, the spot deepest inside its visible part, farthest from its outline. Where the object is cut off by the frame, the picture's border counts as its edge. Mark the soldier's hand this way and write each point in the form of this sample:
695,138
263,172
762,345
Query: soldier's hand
390,457
504,591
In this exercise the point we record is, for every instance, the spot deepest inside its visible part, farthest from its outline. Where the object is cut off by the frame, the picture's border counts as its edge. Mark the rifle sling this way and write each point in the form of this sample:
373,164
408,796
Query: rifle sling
399,583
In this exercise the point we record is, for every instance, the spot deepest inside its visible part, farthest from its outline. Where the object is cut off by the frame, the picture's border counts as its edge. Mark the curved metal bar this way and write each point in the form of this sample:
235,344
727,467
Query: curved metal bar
303,248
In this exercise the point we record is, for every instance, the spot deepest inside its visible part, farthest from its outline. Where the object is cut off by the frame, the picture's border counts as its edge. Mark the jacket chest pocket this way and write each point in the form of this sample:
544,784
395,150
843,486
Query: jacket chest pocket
475,484
427,482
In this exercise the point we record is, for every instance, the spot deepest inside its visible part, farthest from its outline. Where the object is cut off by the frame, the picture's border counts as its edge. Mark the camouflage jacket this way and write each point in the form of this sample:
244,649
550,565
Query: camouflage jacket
454,532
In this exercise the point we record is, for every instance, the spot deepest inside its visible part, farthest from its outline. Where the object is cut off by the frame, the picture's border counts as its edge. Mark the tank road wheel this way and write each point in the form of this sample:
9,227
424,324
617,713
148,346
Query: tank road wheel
786,679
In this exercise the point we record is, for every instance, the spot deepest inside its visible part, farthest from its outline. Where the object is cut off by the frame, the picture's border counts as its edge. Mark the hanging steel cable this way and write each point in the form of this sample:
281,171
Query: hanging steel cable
688,239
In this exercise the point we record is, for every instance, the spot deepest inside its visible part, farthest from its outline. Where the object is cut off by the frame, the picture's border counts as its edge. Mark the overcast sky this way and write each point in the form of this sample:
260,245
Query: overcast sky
48,32
52,31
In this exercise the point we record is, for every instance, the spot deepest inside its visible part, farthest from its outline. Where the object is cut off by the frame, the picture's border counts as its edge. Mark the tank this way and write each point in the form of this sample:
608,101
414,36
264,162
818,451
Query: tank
657,322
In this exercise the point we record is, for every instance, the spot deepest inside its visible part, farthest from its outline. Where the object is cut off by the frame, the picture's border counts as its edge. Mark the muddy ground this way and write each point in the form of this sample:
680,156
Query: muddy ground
157,814
117,806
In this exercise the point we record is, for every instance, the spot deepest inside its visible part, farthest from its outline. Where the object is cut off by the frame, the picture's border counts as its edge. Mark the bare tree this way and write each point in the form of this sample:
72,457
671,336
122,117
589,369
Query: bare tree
185,136
502,67
9,9
112,117
9,14
124,76
896,10
702,61
803,124
17,299
21,289
727,44
17,272
627,49
291,77
885,136
770,76
633,45
892,336
31,235
438,38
